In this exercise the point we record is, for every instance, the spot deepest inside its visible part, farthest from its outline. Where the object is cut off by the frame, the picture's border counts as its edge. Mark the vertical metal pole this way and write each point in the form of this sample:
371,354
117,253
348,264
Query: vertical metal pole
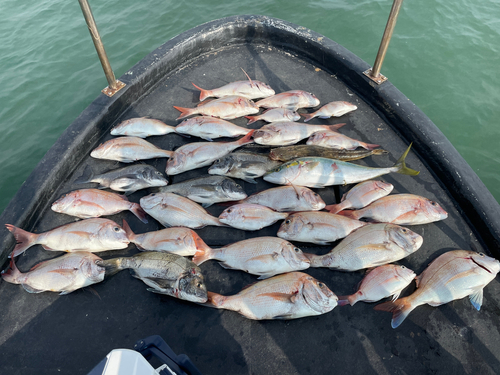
113,84
374,73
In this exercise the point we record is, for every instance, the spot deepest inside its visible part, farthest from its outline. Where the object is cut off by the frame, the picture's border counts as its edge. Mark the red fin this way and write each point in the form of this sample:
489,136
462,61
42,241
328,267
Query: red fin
203,94
351,214
214,300
334,127
308,116
247,138
252,119
128,231
200,244
202,255
399,308
368,146
185,112
24,239
12,274
137,210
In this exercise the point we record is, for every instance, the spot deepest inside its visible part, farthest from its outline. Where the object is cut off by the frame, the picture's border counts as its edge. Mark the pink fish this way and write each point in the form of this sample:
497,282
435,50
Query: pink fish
128,150
337,141
227,108
247,89
332,109
288,133
275,115
361,195
292,100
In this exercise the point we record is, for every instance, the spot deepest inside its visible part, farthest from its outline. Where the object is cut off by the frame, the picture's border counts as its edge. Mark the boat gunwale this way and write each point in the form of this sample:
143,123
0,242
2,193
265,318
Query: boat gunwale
472,198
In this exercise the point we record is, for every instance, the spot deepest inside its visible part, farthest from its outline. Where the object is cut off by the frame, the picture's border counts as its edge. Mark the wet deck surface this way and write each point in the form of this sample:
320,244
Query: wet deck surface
48,334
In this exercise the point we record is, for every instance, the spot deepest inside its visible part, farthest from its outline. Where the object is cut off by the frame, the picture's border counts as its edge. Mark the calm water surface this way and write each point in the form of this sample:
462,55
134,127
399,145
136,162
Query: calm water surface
444,57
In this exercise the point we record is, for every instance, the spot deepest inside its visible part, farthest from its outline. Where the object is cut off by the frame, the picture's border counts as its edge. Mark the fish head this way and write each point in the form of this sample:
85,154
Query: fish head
153,176
344,107
383,187
64,203
318,296
294,256
291,227
222,166
433,210
151,201
100,151
191,286
264,136
91,269
232,215
284,174
317,137
291,115
312,198
486,263
176,163
113,235
404,237
311,99
405,273
187,125
232,190
120,129
264,88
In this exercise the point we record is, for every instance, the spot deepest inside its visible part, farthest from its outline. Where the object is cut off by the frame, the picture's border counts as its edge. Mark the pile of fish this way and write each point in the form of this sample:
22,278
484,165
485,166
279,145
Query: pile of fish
285,292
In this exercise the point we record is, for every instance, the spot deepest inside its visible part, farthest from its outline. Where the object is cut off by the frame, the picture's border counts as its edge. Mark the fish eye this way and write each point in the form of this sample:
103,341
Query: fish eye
481,255
199,285
433,203
288,221
297,250
229,210
321,285
158,173
404,230
403,267
116,229
153,194
316,194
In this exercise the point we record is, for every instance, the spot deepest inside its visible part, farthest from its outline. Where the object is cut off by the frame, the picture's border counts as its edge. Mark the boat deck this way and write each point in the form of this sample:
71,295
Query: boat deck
46,333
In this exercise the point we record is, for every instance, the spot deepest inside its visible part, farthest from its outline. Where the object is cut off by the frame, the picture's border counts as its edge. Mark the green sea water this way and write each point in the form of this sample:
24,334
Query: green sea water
444,57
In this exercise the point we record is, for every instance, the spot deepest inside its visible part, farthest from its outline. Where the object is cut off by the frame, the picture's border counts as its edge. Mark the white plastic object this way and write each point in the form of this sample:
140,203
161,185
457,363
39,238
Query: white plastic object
127,362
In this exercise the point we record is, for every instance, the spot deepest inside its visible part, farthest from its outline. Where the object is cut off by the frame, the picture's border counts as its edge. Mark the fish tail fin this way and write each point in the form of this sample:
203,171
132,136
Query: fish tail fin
399,308
12,274
200,244
308,116
214,300
401,166
315,260
335,208
204,93
247,138
113,266
368,146
252,119
137,210
334,127
202,254
351,214
185,112
87,176
24,239
343,300
128,231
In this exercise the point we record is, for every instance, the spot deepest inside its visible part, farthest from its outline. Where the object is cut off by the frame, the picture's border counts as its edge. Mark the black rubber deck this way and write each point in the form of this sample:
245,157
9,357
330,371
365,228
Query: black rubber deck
47,334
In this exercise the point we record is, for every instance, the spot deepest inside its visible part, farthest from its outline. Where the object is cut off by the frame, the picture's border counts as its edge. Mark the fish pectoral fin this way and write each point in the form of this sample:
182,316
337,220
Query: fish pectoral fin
121,184
283,317
282,297
395,296
477,299
205,205
266,258
30,289
227,266
265,276
249,180
320,241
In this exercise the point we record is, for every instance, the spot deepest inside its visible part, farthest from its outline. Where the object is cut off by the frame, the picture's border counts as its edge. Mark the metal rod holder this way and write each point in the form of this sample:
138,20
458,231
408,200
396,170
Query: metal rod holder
374,73
113,84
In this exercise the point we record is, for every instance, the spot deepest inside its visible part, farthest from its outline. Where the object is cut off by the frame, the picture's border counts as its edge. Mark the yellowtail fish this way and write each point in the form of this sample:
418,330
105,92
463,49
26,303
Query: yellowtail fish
227,108
380,282
247,216
164,273
200,154
337,141
208,128
88,203
128,150
361,196
275,115
453,275
92,235
177,240
370,246
172,210
317,227
63,274
292,100
288,133
288,198
332,109
288,153
321,172
142,127
289,296
403,209
263,256
250,89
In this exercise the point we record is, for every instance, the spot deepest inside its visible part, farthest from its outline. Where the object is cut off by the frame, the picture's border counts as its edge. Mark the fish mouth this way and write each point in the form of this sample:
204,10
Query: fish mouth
480,265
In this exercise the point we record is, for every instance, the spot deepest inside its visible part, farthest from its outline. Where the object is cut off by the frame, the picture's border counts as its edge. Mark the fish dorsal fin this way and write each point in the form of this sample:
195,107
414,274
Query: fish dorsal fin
251,82
477,299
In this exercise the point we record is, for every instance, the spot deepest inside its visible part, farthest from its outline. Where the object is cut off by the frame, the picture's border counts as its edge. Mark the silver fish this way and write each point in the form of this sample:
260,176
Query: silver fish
317,227
289,296
243,165
63,274
248,216
451,276
337,141
288,133
332,109
370,246
128,179
92,235
250,89
288,198
200,154
142,127
88,203
293,100
164,273
321,172
128,150
207,190
275,115
208,128
263,256
172,210
227,108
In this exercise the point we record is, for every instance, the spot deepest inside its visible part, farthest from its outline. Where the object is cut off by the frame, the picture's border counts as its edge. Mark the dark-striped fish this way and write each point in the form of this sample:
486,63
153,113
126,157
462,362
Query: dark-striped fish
243,165
288,153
